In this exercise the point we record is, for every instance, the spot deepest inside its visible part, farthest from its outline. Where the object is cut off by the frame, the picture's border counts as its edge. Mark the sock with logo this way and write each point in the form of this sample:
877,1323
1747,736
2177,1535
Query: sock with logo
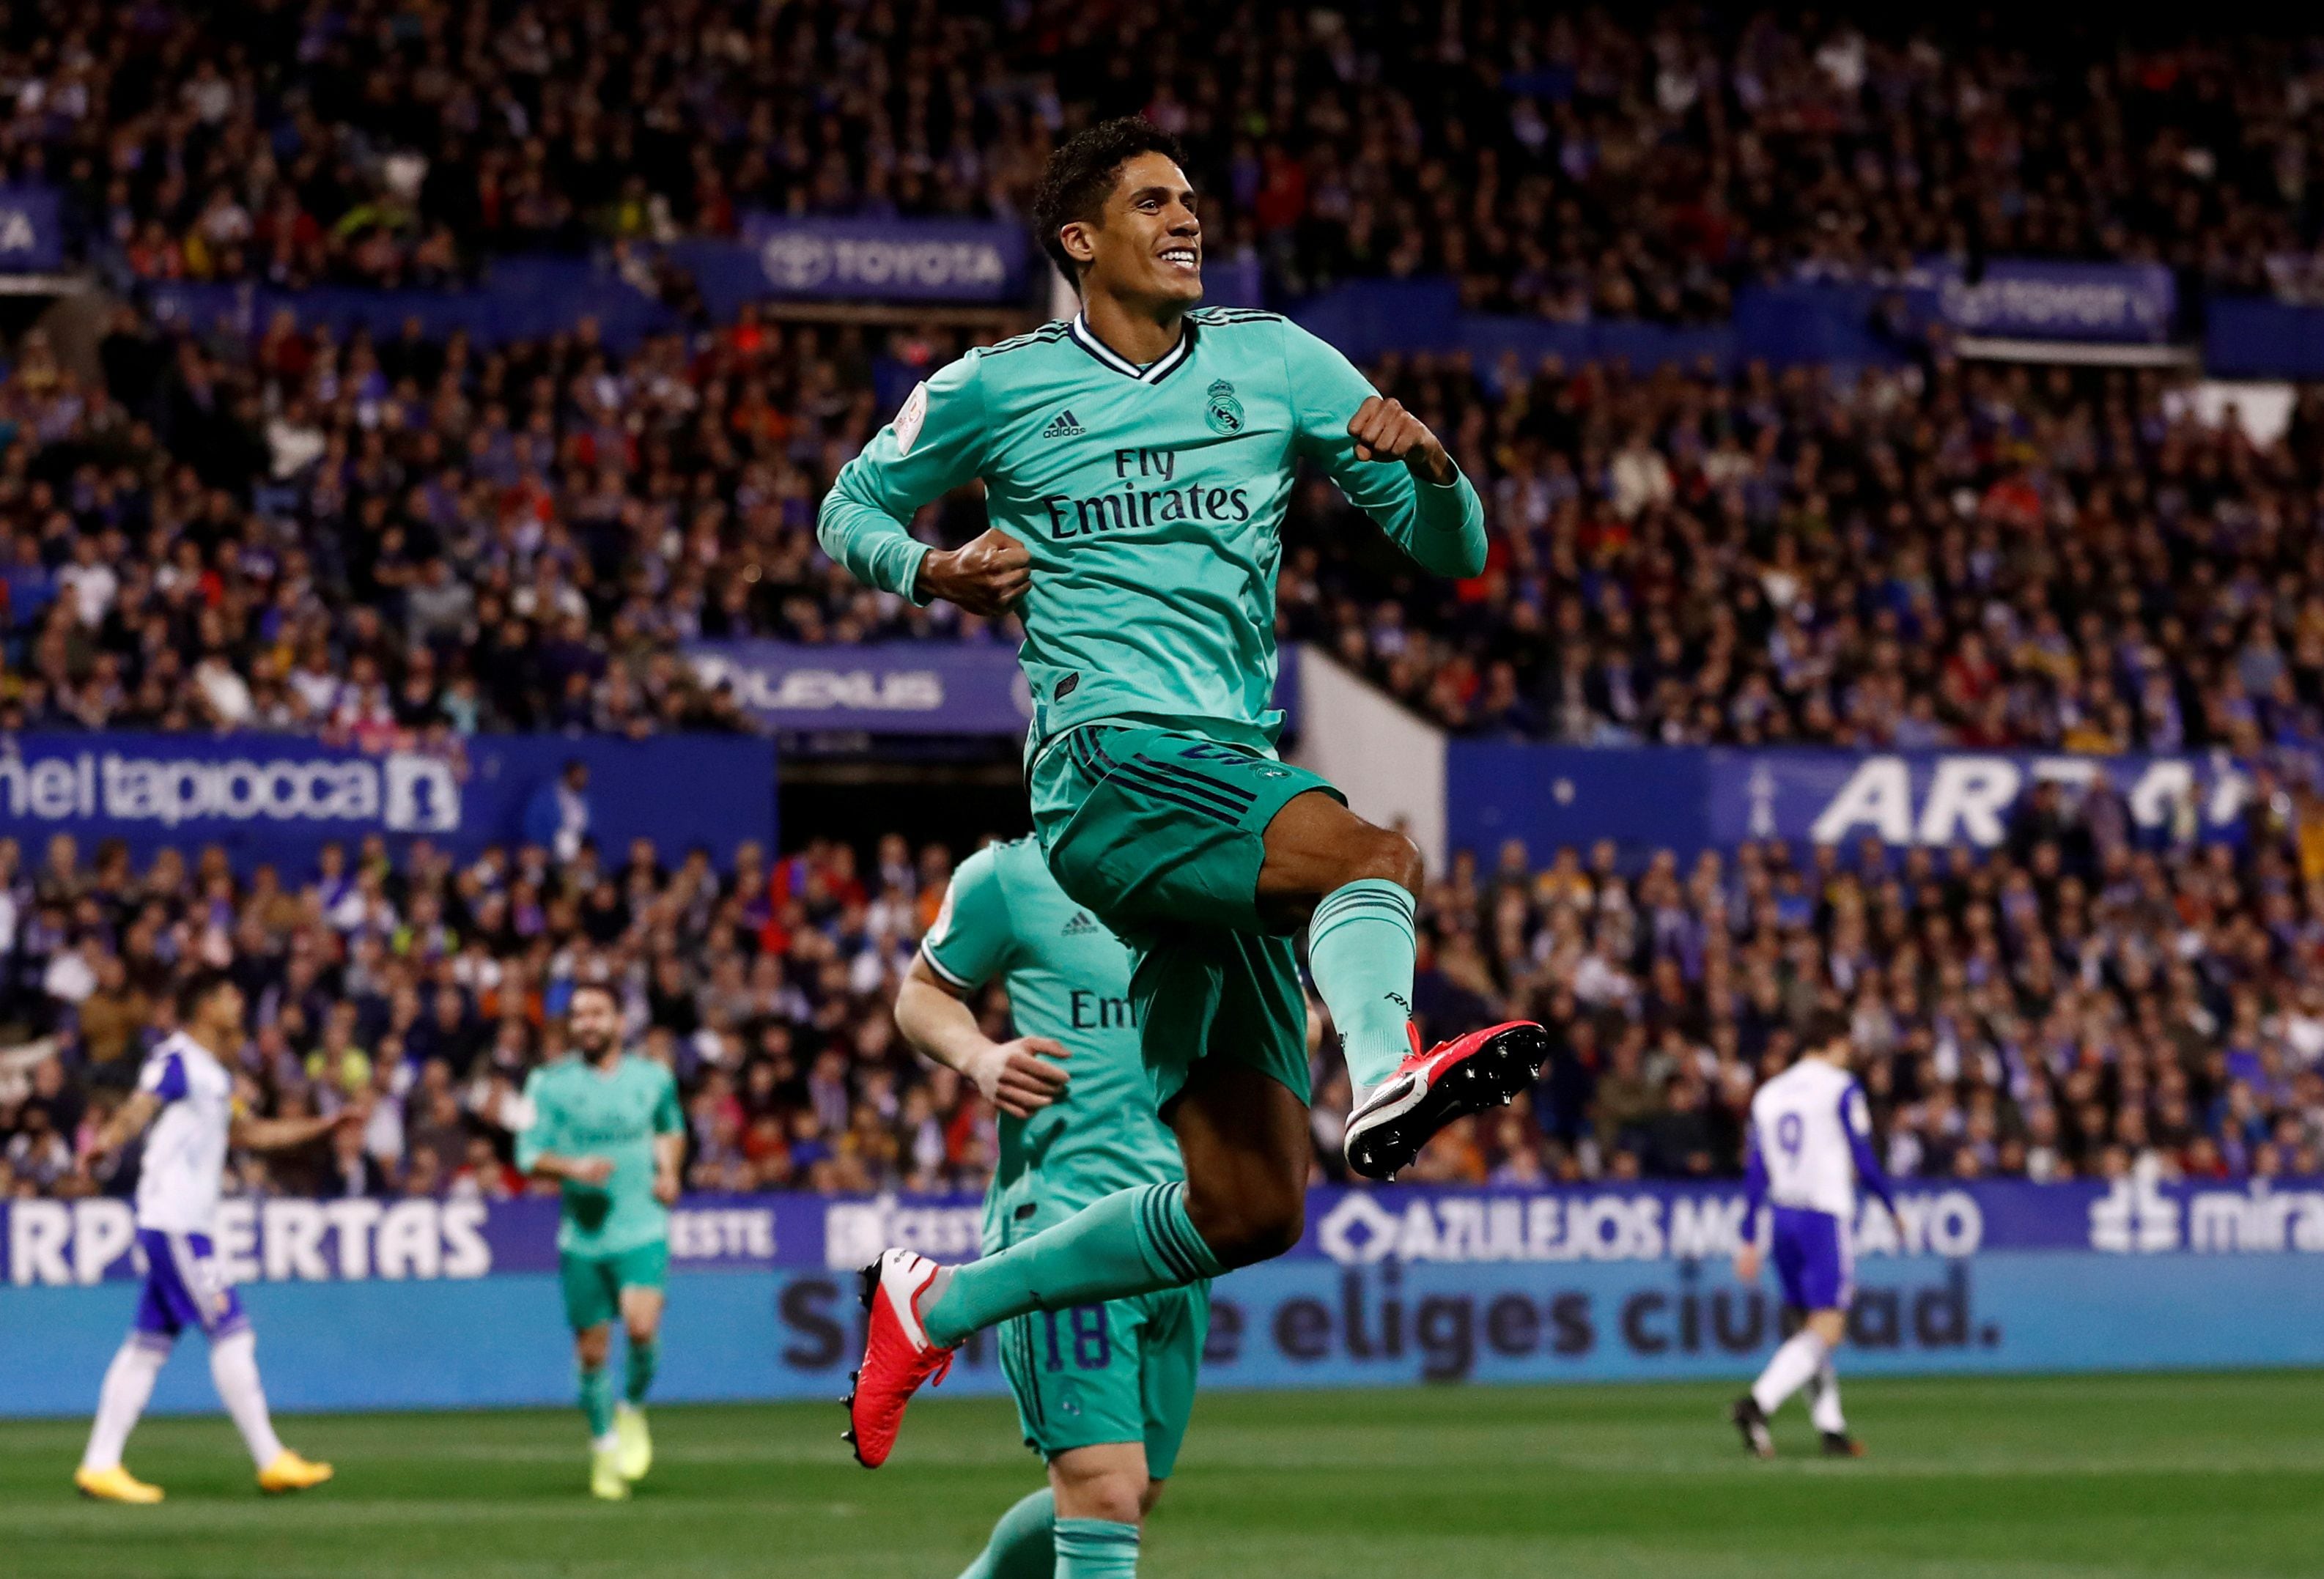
597,1402
1022,1546
638,1374
1823,1401
1131,1243
1361,944
1096,1548
1798,1360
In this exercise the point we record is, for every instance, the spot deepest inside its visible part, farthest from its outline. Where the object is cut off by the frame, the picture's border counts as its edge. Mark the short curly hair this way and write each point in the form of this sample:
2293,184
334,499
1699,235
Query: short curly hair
1080,177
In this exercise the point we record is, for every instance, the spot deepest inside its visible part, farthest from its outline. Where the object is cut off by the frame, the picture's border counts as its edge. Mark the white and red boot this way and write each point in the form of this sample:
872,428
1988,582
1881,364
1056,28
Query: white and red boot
897,1356
1429,1090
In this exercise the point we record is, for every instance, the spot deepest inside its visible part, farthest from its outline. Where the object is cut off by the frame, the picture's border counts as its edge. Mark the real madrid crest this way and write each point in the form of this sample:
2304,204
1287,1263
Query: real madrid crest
1223,411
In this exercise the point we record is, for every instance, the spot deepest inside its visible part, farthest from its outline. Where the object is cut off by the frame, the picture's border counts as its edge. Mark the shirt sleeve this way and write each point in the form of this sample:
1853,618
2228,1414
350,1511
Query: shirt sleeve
668,1118
969,944
163,1078
538,1135
935,445
1855,1118
1440,525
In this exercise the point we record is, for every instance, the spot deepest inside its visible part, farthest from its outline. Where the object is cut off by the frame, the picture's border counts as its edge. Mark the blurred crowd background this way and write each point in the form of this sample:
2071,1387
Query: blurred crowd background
416,539
2072,1005
1570,163
392,541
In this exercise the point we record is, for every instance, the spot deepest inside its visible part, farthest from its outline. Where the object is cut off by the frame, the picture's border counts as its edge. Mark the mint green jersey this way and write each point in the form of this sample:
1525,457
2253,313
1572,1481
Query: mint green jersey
1151,500
1068,979
578,1112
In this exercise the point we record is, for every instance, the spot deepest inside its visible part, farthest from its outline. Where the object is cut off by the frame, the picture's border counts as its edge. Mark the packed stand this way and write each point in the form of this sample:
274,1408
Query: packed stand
2070,1005
1560,164
1943,554
424,990
407,541
2076,1003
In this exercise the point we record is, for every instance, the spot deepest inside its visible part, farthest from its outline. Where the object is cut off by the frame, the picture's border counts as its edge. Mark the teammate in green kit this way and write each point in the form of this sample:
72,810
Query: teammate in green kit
1102,1390
1137,464
607,1125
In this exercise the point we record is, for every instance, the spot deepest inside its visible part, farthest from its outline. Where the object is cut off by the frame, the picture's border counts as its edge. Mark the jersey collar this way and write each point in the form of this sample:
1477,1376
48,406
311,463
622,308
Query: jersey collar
1154,371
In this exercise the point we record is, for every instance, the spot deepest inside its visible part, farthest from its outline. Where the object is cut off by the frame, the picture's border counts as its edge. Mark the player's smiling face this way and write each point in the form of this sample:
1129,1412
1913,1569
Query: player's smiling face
1149,245
594,1022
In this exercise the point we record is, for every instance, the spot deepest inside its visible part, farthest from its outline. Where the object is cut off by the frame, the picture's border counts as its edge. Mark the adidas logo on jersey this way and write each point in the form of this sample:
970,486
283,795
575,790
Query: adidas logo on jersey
1080,925
1063,427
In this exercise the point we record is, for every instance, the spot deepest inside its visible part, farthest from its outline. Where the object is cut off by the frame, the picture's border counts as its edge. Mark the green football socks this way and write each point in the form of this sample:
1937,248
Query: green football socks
1096,1548
1361,944
1131,1243
597,1402
1021,1546
637,1378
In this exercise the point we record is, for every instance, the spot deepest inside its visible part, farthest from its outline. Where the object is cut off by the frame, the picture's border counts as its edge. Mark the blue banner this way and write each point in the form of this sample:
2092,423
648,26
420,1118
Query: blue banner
74,1243
32,230
519,298
1368,318
2032,299
281,797
860,259
2253,337
884,688
896,687
1812,322
367,1304
1692,798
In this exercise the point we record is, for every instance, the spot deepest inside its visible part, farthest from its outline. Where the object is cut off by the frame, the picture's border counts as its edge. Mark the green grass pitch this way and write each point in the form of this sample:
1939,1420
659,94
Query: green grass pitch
1983,1479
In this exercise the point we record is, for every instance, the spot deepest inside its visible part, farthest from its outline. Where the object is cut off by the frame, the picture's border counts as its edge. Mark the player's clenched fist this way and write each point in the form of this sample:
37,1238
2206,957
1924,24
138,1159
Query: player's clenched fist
985,577
1018,1078
1385,431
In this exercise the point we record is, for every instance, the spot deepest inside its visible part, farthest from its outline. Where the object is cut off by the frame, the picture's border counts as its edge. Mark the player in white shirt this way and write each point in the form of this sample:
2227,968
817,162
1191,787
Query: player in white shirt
1808,1146
185,1093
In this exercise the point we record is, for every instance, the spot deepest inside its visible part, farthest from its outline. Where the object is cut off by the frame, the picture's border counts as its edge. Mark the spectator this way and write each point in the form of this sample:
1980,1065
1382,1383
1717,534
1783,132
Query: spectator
2055,1007
113,1020
350,1170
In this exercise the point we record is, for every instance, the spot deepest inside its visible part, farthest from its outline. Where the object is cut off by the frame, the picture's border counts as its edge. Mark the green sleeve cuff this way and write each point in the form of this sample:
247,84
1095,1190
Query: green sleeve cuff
915,557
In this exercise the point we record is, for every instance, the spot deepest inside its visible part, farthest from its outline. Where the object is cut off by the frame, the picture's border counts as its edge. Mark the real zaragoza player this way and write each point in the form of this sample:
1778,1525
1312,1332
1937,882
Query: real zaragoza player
1103,1391
607,1125
1808,1146
1138,462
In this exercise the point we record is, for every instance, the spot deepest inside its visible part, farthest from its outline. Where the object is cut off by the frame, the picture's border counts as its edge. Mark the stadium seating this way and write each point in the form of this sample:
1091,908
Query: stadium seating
1567,165
2063,1007
288,532
392,541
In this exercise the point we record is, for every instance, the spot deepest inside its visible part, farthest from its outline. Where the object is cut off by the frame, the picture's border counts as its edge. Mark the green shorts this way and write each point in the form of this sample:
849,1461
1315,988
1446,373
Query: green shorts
594,1284
1122,1371
1161,834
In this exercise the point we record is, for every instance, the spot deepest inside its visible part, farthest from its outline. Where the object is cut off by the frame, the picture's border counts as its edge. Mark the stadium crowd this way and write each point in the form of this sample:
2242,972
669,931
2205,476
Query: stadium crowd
1567,164
1942,554
411,540
2072,1004
396,541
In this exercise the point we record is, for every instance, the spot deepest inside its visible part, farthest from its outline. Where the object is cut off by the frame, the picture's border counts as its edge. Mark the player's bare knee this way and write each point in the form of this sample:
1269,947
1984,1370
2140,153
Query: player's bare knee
1117,1499
592,1347
1257,1223
1281,1219
1383,854
1116,1495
